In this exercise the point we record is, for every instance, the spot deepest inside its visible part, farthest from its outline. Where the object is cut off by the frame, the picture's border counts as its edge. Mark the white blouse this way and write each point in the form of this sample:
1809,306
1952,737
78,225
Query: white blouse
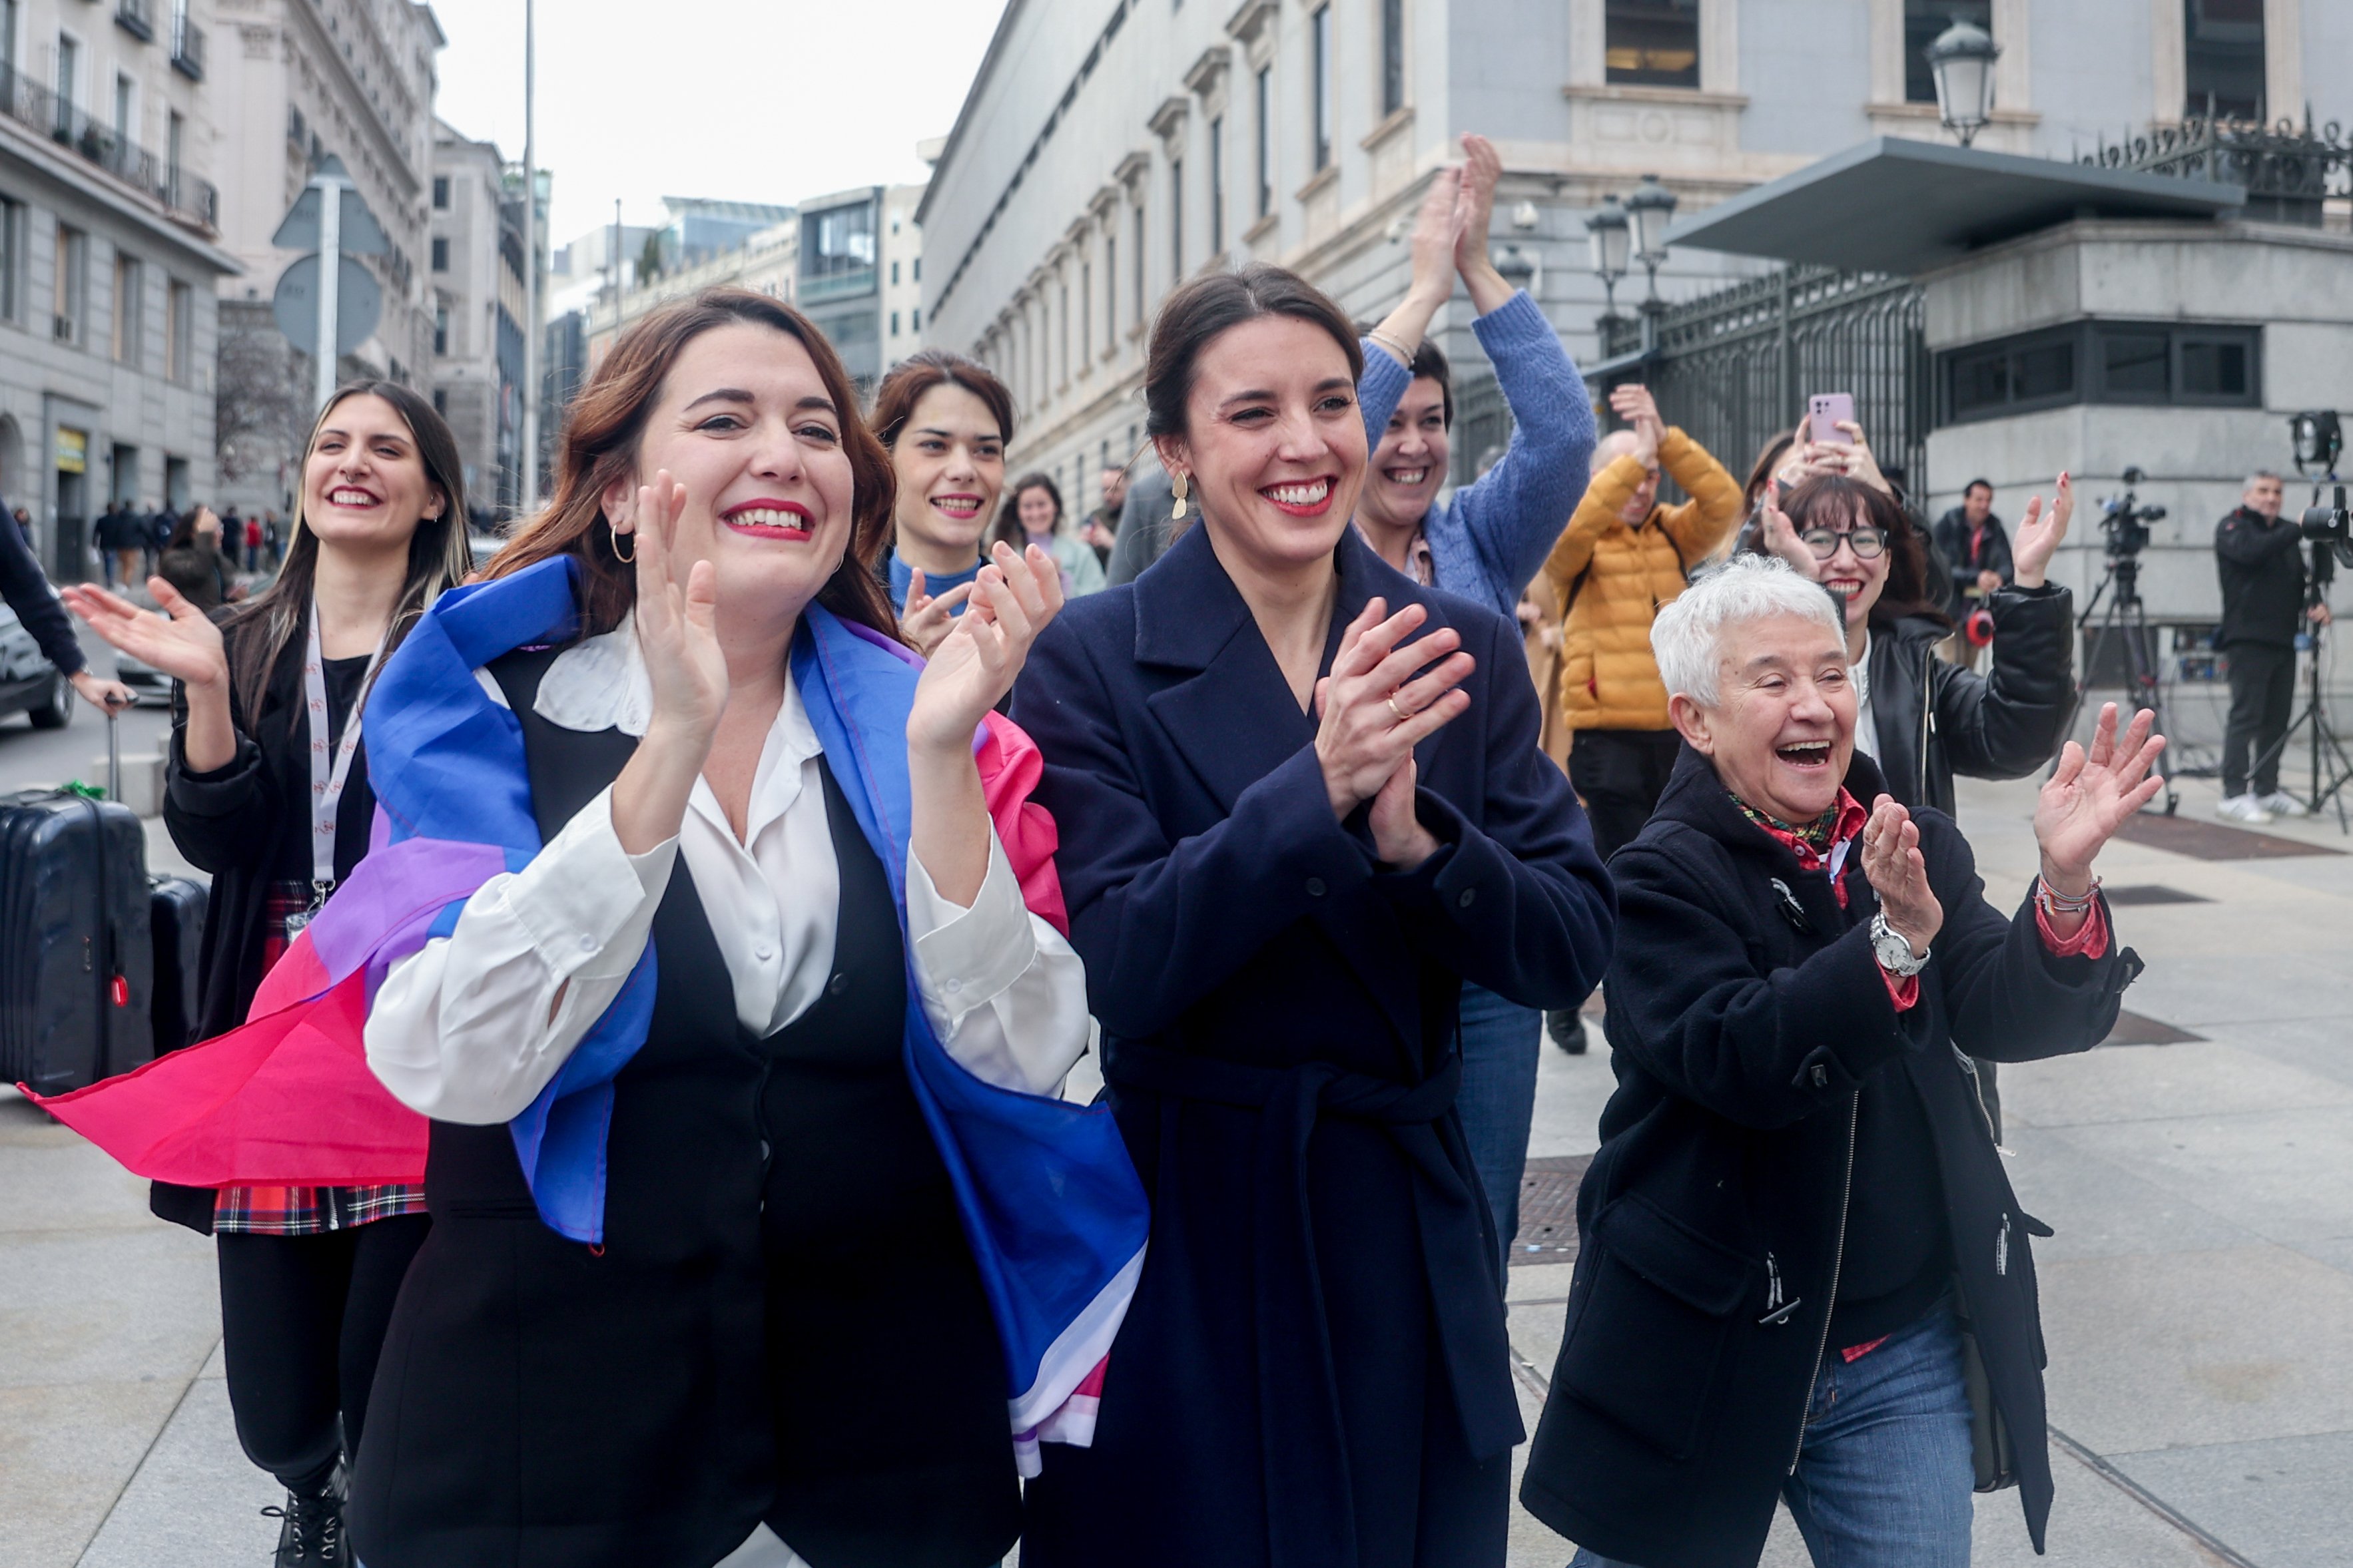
473,1026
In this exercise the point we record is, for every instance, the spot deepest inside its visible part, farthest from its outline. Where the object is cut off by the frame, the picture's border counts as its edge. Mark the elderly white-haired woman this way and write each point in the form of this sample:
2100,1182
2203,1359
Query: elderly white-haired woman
1798,1246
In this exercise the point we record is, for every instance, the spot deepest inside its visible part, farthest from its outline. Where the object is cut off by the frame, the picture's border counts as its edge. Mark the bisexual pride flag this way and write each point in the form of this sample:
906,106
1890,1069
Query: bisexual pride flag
1050,1204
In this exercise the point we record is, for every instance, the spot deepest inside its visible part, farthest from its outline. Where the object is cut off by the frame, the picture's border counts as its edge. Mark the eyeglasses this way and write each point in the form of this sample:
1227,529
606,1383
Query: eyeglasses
1865,541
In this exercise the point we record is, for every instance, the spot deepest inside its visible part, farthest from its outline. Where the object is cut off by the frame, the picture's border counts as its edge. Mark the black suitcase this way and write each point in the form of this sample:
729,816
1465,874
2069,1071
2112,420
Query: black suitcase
77,959
177,918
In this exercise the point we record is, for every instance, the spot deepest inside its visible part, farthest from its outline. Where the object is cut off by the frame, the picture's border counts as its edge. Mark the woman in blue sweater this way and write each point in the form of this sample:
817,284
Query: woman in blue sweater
1483,542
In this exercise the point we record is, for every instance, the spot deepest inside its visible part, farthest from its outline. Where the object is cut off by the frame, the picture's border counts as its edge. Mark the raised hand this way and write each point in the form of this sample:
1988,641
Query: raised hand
2091,794
929,617
1860,463
1374,708
1437,231
1780,538
1483,168
974,663
182,641
2039,535
676,632
1635,405
1893,863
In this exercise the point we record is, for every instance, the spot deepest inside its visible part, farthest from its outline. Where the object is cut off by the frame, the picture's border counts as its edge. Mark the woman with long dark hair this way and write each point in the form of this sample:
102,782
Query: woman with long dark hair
702,1284
945,421
267,790
1033,515
1301,804
193,561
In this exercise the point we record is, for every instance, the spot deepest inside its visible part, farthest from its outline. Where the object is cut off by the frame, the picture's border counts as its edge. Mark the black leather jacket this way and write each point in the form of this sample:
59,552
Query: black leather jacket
1933,719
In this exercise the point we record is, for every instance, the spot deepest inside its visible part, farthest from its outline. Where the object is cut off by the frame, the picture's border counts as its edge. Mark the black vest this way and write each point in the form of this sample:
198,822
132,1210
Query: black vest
783,1320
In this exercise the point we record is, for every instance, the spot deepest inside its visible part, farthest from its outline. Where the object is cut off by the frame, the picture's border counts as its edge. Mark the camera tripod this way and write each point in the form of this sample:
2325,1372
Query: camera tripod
2126,619
2327,745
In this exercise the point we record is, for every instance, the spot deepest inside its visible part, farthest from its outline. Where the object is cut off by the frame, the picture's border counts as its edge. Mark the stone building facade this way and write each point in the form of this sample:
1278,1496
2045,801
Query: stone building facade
475,272
109,253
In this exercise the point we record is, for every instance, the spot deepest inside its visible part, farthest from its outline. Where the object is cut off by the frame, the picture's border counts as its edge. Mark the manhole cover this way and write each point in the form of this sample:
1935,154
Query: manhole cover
2211,840
2150,893
1548,1210
2132,1030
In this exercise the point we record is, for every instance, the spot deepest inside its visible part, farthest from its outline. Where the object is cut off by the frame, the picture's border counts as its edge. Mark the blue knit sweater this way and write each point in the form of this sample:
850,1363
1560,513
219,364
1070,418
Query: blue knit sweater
1488,539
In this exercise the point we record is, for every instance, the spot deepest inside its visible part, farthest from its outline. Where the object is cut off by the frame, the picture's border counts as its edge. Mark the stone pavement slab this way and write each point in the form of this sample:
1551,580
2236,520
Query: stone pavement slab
195,1503
2280,1502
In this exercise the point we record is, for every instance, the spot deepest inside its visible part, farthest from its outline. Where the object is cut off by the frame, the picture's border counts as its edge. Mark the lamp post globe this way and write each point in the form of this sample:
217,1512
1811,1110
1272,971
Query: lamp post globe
1613,246
1650,209
1962,60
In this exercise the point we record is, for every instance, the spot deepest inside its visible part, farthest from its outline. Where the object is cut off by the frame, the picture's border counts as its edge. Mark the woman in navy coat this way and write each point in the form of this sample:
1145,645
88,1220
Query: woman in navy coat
1293,824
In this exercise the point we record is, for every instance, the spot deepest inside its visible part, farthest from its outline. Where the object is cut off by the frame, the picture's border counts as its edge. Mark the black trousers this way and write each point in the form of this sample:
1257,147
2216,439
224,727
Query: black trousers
2263,701
302,1318
1618,773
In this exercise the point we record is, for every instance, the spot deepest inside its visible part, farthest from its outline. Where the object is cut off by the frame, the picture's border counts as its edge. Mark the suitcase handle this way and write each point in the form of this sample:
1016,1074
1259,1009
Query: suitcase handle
113,755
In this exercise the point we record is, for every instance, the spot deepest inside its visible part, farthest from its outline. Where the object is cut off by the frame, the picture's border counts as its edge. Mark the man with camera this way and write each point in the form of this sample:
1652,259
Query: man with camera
2259,556
1977,547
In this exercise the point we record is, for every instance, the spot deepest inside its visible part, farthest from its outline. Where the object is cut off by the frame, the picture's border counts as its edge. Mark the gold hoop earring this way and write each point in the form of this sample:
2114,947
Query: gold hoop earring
1176,491
631,559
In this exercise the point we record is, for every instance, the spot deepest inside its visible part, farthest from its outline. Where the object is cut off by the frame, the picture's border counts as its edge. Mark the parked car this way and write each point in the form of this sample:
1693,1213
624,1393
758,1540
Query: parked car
29,683
147,683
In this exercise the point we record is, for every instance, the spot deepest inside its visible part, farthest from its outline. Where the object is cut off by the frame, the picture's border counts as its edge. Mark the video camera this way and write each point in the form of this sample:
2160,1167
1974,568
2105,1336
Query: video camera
2331,526
2125,522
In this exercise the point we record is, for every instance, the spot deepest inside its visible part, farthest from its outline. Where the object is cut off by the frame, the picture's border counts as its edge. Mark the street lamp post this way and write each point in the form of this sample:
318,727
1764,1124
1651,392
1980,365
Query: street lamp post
1961,59
1605,231
532,330
1648,212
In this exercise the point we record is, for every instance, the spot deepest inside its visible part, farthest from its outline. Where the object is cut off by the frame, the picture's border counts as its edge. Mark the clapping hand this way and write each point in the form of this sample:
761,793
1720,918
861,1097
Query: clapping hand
1636,406
182,641
2090,796
1373,709
1898,873
1779,537
928,618
2039,535
677,632
974,662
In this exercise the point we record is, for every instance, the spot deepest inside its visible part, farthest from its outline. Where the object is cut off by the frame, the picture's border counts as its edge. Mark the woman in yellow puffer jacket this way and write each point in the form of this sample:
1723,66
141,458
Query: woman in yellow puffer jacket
1620,558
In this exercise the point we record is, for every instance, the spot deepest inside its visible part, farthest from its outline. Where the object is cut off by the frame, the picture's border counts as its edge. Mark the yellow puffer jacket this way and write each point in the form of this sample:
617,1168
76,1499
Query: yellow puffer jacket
1608,679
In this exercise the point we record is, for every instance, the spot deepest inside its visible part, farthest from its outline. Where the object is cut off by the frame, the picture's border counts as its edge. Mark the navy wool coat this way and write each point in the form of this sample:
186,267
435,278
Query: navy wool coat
1314,1369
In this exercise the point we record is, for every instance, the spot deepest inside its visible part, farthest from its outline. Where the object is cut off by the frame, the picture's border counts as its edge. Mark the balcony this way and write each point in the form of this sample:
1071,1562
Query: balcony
31,103
136,17
187,48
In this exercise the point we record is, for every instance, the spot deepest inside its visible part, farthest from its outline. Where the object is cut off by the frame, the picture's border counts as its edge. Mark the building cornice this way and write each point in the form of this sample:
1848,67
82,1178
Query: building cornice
1249,17
350,87
72,174
1169,118
1215,61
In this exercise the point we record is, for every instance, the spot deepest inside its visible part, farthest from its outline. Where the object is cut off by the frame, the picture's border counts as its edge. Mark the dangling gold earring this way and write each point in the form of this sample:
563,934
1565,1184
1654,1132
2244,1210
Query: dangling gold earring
1176,491
631,559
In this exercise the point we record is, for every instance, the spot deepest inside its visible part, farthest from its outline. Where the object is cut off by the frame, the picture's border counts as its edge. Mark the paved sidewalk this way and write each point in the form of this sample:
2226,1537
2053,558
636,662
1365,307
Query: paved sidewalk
2198,1297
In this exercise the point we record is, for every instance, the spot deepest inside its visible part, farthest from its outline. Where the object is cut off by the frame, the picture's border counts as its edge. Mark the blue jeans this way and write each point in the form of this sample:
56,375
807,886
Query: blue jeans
1884,1479
1501,1042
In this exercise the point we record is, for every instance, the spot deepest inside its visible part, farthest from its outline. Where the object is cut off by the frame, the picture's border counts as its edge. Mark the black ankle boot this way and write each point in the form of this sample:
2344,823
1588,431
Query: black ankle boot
312,1530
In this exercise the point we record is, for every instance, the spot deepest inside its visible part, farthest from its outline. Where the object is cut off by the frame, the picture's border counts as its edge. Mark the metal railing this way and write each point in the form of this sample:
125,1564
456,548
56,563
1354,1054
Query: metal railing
2288,170
1733,368
187,48
32,103
136,17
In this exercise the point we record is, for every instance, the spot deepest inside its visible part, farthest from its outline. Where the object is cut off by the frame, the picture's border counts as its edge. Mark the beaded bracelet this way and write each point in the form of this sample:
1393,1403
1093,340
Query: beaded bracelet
2055,902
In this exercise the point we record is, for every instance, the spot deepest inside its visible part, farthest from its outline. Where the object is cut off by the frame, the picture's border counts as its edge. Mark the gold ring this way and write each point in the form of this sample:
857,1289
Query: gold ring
1401,714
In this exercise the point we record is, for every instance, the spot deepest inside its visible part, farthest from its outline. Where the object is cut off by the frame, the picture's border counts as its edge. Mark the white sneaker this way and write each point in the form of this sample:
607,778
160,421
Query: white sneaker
2242,808
2279,802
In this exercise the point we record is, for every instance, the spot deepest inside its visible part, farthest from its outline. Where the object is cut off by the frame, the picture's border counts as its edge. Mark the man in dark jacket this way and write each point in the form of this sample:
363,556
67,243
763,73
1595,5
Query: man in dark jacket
1976,548
27,589
1798,1235
2260,557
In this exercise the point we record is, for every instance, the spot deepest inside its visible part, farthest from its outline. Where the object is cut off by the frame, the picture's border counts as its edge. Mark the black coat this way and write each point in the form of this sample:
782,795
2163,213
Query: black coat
27,589
1951,537
238,823
2261,567
1933,719
1314,1369
1741,1044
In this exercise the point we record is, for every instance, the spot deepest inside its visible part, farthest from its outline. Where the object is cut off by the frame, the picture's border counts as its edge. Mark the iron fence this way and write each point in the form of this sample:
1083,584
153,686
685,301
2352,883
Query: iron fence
2288,171
35,104
1733,368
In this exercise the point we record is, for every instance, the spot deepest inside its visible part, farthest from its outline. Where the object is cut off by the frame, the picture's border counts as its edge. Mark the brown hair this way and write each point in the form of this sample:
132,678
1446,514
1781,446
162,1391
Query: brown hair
1831,501
599,449
1769,458
1210,307
1428,362
1007,527
920,372
439,554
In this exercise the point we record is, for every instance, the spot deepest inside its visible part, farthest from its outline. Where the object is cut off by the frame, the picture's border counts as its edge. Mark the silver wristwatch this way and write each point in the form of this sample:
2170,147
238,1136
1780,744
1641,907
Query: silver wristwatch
1893,950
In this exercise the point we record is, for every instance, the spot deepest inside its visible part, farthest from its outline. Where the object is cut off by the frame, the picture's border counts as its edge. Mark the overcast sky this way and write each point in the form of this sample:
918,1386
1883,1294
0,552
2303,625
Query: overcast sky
767,100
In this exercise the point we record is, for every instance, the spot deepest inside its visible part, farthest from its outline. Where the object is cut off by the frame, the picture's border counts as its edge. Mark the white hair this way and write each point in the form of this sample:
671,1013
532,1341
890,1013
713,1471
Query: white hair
1687,636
